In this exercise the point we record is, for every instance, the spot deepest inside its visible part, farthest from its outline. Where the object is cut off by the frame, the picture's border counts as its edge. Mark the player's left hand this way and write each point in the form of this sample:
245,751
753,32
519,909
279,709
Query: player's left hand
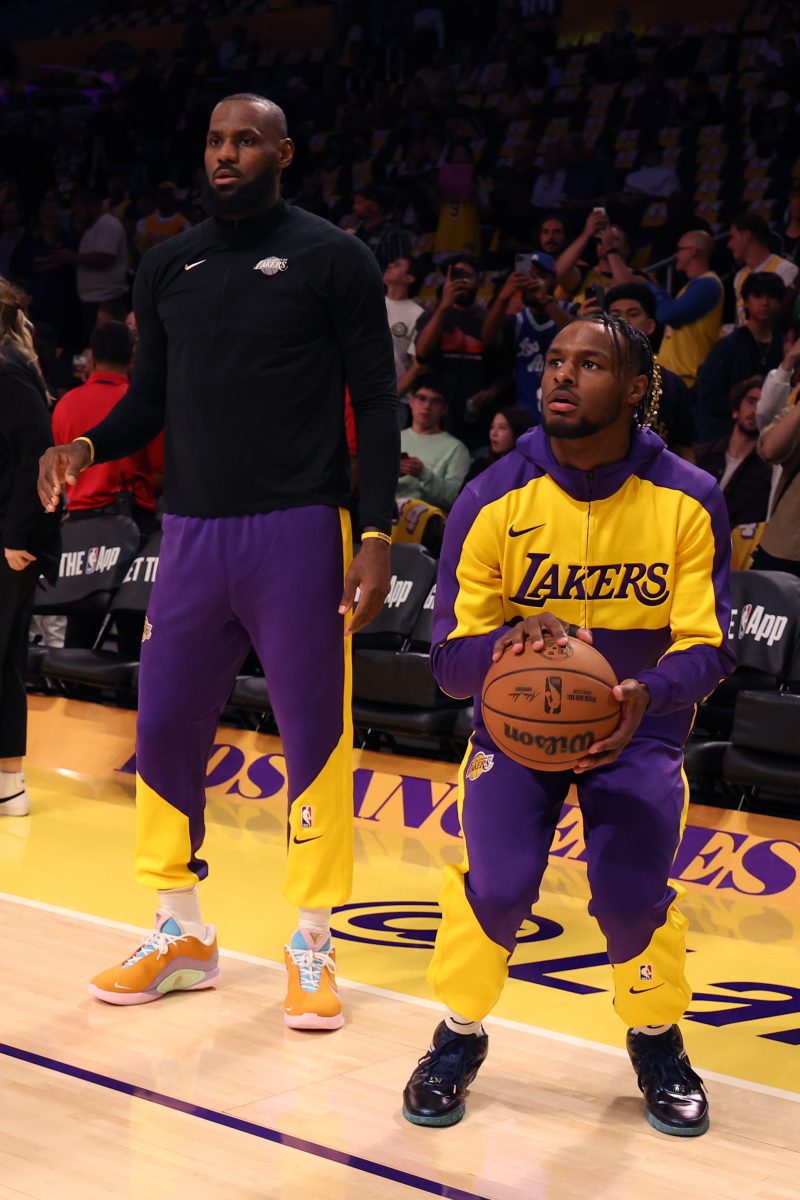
634,699
371,571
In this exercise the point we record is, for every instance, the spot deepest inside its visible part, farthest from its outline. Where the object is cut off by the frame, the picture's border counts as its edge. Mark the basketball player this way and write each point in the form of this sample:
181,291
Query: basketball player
249,326
589,523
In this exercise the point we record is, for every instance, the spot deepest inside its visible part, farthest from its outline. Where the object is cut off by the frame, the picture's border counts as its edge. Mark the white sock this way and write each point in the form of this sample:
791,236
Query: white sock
458,1024
11,783
184,905
651,1030
315,922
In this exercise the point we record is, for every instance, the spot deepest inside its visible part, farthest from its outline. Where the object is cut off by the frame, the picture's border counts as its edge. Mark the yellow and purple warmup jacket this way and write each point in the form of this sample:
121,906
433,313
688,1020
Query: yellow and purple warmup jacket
638,552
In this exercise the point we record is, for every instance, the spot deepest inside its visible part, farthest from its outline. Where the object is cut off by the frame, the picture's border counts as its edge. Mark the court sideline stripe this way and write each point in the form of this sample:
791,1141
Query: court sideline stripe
552,1035
367,1165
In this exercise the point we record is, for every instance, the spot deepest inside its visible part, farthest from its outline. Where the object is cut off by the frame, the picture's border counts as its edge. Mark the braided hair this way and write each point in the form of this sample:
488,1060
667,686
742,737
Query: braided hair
634,353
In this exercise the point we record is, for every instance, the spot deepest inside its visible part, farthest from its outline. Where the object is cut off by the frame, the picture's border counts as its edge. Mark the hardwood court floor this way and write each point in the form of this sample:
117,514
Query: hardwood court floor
208,1094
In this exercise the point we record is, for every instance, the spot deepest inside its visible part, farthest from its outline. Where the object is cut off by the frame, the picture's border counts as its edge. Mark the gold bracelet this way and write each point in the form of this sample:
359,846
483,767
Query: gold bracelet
376,533
90,444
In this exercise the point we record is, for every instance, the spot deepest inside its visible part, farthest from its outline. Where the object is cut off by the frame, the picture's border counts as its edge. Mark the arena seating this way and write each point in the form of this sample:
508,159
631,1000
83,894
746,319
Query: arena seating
77,670
764,752
765,635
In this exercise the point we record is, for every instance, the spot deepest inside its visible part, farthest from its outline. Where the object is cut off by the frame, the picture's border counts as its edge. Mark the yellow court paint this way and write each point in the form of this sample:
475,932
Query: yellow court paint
741,872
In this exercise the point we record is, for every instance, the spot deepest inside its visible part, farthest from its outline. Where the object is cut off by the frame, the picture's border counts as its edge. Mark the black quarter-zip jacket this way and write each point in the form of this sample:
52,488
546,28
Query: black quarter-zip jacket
248,332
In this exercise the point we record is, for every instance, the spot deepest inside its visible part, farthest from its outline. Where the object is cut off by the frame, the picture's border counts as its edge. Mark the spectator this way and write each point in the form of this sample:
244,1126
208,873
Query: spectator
508,426
551,234
693,318
449,341
523,321
402,278
37,257
743,477
433,464
387,242
749,244
780,390
753,348
779,549
101,259
128,485
613,250
30,536
13,223
788,230
782,384
653,179
673,422
162,224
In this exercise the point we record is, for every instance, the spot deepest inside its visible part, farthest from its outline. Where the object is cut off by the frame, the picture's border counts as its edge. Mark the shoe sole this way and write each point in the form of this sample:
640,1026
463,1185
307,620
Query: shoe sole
125,998
313,1021
451,1118
678,1130
12,808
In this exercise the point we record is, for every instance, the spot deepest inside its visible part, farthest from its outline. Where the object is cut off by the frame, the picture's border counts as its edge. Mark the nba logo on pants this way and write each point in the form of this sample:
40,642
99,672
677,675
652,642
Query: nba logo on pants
306,818
552,694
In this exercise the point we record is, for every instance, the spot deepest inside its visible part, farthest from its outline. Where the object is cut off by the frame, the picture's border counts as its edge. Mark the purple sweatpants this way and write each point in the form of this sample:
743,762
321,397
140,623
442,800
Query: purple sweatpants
273,580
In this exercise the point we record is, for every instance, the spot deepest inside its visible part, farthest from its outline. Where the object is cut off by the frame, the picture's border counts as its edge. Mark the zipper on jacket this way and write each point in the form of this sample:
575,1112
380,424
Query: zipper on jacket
590,490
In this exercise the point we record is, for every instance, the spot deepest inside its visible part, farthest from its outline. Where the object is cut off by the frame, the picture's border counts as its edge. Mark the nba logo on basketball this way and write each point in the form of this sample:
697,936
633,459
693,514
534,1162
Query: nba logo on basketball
552,694
645,973
306,817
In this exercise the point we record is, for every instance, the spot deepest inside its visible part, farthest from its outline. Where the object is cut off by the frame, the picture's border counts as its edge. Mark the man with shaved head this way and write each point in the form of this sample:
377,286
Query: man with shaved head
250,326
693,318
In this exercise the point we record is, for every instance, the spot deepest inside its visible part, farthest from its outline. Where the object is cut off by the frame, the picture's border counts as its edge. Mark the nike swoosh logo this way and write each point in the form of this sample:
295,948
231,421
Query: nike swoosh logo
300,841
191,266
122,987
519,532
638,991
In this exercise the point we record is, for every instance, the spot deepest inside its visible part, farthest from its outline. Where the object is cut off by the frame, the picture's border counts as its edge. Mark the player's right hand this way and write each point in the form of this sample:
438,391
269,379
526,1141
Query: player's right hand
533,630
60,465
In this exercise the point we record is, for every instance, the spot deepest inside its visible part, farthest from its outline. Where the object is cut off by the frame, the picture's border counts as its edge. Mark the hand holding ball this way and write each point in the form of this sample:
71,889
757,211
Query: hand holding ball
544,708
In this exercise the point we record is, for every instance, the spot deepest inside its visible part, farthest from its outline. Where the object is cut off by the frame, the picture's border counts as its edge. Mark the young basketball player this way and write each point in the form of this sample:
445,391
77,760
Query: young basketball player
589,523
249,326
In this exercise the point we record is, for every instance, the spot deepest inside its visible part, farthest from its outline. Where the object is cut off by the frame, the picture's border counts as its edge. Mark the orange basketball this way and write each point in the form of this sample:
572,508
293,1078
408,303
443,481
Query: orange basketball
545,708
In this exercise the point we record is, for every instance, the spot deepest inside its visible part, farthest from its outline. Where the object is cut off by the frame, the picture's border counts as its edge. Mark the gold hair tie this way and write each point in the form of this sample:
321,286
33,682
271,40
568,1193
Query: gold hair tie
654,397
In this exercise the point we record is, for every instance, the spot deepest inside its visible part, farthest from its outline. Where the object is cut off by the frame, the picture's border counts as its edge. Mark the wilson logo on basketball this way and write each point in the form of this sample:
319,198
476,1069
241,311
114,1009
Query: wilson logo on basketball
545,581
551,746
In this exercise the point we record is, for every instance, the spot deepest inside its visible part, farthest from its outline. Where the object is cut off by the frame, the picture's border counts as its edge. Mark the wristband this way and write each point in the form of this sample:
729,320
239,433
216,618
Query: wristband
90,444
376,533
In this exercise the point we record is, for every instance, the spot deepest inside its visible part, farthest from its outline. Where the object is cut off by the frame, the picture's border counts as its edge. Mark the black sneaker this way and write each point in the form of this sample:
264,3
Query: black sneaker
435,1093
674,1094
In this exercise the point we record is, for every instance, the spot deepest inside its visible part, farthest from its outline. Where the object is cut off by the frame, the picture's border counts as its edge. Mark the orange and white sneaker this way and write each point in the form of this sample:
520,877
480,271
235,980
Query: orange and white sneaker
312,998
168,961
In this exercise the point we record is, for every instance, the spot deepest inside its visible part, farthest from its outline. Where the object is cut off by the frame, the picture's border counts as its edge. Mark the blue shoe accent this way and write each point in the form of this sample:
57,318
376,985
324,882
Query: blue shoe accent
171,927
298,942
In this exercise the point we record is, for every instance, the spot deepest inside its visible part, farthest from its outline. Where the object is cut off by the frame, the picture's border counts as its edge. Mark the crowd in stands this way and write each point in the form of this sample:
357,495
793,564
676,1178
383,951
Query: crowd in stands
506,178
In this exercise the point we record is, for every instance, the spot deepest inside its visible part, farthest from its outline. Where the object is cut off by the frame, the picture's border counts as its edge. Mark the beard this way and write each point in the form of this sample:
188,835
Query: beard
467,299
247,199
557,426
